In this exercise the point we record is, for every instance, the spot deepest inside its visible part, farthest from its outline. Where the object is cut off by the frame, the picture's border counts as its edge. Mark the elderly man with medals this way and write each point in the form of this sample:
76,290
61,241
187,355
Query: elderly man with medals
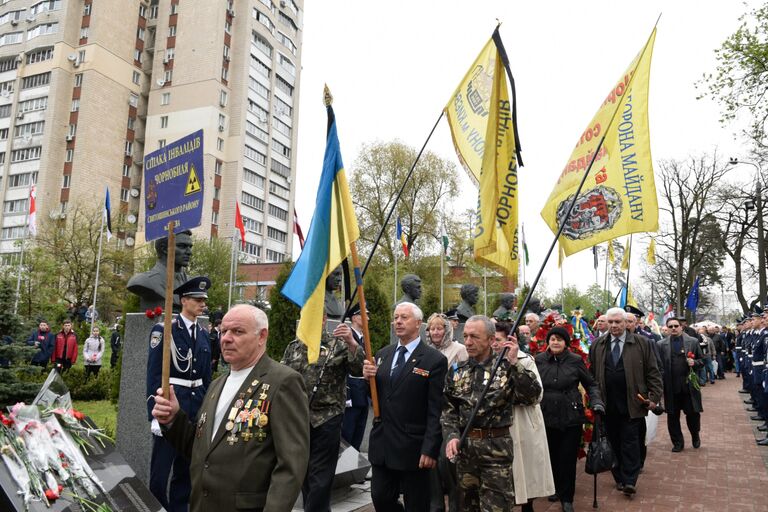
190,375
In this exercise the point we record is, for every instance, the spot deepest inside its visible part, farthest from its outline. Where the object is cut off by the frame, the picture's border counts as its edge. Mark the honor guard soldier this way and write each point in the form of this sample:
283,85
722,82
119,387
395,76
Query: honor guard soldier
190,376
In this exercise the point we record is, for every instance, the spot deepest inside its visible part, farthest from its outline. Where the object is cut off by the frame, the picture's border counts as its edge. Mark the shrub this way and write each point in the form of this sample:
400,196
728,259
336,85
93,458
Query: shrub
95,388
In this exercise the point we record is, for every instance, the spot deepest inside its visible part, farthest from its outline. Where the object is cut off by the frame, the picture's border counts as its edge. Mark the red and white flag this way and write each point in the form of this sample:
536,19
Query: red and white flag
297,228
32,224
239,224
669,312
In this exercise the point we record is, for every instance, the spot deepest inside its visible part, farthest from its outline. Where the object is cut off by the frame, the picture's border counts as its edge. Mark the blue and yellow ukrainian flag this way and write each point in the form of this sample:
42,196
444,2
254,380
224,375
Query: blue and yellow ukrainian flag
333,229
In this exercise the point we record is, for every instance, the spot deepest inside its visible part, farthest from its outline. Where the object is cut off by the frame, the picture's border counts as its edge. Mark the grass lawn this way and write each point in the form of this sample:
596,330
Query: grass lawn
102,412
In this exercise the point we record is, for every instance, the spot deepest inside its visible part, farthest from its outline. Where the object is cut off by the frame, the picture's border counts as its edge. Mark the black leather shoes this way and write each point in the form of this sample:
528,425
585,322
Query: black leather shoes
756,417
696,440
553,498
751,409
629,490
744,391
567,507
677,448
763,428
749,401
763,442
619,486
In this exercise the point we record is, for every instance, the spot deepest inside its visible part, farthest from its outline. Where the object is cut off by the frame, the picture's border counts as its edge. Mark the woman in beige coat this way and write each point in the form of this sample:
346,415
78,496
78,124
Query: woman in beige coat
531,471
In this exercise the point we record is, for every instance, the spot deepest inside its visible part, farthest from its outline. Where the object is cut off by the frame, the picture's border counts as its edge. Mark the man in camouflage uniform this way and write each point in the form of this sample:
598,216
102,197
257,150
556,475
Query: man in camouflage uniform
326,383
484,463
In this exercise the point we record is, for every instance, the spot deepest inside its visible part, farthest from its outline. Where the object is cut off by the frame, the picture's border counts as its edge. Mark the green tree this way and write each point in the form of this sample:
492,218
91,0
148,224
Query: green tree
380,315
213,258
282,316
17,376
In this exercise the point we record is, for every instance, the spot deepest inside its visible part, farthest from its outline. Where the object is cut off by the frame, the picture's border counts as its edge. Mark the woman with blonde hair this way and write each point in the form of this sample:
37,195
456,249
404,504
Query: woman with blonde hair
440,336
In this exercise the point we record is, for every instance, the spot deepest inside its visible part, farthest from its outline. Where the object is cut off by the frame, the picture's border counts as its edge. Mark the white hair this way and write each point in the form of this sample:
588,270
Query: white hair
534,315
629,316
614,312
258,315
418,314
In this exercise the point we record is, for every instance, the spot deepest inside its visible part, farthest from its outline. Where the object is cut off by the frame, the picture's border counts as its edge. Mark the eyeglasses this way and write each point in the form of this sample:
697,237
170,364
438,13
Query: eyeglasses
674,326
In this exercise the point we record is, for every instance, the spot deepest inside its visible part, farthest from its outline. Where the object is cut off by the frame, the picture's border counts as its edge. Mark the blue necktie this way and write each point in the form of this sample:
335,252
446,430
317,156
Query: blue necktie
399,363
616,352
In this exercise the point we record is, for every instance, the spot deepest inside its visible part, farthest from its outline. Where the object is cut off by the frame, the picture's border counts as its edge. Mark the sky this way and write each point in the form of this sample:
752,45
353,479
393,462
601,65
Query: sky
392,66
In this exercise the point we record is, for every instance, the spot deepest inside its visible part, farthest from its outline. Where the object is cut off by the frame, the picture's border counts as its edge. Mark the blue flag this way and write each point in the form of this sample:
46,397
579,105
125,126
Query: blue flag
108,213
692,302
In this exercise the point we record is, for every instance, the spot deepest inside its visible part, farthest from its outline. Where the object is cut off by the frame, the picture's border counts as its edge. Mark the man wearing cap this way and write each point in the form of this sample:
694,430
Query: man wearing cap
190,376
325,379
356,412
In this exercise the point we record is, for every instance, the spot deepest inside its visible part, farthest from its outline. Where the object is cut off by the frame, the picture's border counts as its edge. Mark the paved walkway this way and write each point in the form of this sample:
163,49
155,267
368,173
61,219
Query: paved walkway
728,473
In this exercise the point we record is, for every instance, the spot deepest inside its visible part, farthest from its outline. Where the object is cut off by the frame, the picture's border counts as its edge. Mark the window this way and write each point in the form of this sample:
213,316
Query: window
142,10
126,171
261,114
286,64
164,123
72,129
124,195
223,98
226,52
254,179
87,10
11,38
282,149
8,64
256,156
260,67
264,20
47,5
153,11
269,5
11,16
131,123
2,161
75,105
40,55
42,30
15,206
276,234
219,144
33,104
172,31
279,190
281,127
281,169
24,154
252,249
282,108
160,143
278,212
217,168
70,155
224,74
21,180
133,100
174,9
261,136
7,87
30,82
165,99
287,42
5,111
275,256
170,53
262,44
216,192
259,88
252,201
140,33
10,258
66,181
168,75
14,232
295,8
215,218
81,56
284,86
252,225
128,148
83,32
136,78
79,80
222,122
29,129
227,27
4,134
286,21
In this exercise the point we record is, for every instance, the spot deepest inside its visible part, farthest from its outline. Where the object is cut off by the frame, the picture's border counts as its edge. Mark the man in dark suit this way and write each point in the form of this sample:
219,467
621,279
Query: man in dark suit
679,393
406,438
190,373
249,448
624,366
356,411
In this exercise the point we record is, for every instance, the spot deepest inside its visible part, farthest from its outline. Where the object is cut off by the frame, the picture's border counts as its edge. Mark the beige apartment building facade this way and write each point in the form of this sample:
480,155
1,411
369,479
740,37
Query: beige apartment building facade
88,88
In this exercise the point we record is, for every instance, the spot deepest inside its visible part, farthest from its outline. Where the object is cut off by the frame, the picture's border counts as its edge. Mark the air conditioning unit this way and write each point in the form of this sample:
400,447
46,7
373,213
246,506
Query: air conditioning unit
20,58
161,82
166,59
226,58
70,138
72,57
5,93
20,115
30,19
283,4
14,22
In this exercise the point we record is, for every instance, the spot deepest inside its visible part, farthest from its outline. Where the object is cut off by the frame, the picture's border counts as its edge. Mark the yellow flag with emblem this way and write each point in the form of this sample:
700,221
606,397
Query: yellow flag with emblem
483,127
619,196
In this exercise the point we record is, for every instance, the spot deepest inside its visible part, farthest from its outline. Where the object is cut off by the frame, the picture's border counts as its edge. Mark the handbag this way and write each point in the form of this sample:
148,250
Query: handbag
600,456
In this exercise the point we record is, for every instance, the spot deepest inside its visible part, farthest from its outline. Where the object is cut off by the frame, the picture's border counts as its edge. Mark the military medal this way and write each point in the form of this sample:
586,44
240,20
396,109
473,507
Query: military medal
230,425
231,439
239,403
200,424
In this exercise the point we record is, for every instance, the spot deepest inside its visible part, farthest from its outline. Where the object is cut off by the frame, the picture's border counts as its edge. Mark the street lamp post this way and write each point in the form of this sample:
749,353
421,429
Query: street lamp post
760,232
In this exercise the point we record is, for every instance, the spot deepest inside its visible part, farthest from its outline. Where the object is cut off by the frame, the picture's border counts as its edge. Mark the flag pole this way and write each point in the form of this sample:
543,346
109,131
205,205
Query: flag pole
485,290
168,315
231,268
21,256
395,249
98,268
442,271
605,283
524,259
366,335
629,263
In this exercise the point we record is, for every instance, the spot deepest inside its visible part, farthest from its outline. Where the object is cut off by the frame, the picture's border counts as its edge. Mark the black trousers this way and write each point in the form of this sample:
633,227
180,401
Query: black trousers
353,427
682,402
624,436
641,439
169,479
386,485
324,442
563,451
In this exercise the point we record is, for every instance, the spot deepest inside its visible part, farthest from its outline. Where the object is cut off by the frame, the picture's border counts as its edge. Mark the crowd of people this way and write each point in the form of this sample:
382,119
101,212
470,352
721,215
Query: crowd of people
557,378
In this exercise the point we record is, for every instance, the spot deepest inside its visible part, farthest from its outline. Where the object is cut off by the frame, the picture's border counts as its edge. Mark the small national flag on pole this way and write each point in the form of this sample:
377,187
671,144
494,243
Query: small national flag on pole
525,246
108,214
239,225
297,229
331,232
651,256
32,222
611,254
692,302
444,238
401,236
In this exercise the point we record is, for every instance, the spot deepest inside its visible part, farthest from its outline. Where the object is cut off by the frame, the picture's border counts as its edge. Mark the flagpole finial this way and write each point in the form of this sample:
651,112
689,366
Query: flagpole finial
498,23
327,96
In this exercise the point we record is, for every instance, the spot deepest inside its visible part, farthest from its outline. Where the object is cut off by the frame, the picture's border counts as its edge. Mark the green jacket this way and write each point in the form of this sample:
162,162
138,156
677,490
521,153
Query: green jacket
256,474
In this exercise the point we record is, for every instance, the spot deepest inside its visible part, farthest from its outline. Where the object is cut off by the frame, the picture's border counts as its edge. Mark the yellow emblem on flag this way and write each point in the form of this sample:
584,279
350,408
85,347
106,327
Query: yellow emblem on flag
480,115
193,183
619,196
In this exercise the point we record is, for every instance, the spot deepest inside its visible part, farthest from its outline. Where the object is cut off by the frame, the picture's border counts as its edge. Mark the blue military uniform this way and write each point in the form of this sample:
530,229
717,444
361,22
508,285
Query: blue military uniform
190,376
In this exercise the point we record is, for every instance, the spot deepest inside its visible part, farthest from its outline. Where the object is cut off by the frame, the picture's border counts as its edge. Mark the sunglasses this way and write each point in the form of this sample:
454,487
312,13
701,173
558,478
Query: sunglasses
674,326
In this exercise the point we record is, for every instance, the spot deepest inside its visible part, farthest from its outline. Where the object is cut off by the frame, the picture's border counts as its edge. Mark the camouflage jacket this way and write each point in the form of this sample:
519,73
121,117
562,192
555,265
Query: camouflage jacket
330,397
512,385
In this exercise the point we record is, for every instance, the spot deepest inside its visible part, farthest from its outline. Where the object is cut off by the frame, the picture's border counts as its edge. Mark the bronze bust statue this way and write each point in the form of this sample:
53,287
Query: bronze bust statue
334,307
504,312
469,294
411,286
150,285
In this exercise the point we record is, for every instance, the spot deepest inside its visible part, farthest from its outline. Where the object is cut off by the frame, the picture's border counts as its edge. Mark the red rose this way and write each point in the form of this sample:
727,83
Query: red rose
590,415
588,436
150,313
78,415
51,495
158,311
691,356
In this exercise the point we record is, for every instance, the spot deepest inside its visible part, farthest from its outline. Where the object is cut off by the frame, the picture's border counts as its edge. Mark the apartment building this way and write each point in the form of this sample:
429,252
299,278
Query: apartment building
87,88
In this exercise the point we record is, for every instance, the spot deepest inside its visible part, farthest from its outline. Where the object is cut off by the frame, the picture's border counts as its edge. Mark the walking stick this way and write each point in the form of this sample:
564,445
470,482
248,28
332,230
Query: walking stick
594,495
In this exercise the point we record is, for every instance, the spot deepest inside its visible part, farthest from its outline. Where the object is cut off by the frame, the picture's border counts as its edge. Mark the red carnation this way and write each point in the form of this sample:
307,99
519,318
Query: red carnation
691,356
590,415
158,311
51,495
150,313
588,436
78,415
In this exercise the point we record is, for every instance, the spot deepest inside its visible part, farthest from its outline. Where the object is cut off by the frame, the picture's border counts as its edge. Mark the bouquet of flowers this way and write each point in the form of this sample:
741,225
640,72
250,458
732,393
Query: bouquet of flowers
693,379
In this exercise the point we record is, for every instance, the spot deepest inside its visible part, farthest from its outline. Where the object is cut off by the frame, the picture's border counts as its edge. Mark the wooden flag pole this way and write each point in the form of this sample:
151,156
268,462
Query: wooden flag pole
168,312
366,335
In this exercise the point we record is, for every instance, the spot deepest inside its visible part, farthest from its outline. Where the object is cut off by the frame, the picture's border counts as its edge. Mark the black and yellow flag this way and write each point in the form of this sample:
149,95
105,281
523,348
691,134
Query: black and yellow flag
483,127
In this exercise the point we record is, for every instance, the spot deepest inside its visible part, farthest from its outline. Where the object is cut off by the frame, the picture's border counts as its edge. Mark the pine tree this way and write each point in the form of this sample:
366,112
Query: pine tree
19,381
283,316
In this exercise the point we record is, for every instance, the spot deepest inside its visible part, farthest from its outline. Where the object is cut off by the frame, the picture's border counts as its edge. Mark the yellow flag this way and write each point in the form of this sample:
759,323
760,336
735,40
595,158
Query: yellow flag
481,118
619,196
651,256
611,254
560,255
630,298
625,257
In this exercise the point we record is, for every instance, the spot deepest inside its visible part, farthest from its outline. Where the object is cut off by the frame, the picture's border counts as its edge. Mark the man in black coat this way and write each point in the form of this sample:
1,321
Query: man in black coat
43,340
679,393
406,438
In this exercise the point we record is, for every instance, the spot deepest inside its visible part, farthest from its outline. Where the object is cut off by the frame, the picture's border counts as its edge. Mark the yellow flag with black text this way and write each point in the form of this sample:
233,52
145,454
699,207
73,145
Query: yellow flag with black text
619,196
481,117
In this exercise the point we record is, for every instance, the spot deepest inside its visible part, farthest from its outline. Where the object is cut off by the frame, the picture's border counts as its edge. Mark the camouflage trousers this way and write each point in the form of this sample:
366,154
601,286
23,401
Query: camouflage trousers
485,475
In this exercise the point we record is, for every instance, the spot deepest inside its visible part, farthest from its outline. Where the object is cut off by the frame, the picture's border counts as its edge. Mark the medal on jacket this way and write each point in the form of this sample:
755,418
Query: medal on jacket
200,425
